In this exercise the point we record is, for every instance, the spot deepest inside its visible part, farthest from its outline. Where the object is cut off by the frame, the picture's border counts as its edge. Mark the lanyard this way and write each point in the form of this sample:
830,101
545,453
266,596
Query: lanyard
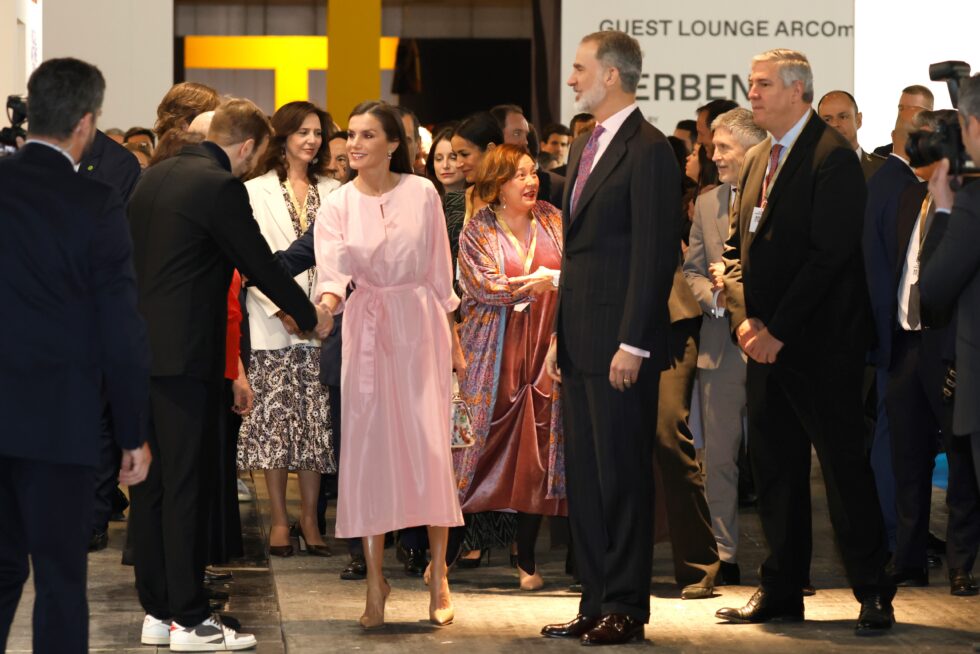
300,210
529,255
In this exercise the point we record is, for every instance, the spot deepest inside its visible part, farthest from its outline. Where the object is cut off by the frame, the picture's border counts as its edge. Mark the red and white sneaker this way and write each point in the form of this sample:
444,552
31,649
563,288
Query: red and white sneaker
155,632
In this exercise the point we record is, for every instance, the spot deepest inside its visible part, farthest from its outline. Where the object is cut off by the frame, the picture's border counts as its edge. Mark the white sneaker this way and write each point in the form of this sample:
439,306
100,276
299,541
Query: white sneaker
209,636
155,632
244,494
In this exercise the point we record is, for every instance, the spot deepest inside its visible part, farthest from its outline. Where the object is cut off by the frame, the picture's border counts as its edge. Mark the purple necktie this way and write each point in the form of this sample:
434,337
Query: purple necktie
585,165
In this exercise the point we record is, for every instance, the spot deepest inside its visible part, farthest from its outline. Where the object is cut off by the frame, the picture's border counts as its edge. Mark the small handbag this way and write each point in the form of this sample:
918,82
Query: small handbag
460,423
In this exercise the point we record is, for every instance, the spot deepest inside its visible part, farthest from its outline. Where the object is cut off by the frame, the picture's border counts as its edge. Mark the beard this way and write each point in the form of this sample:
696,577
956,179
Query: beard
590,99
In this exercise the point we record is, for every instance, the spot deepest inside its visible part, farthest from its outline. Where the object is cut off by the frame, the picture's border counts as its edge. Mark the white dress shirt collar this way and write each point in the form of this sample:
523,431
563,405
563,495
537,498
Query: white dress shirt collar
610,127
789,138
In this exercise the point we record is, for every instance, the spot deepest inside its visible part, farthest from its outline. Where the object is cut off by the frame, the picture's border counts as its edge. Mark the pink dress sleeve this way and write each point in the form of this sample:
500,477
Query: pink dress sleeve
440,273
332,261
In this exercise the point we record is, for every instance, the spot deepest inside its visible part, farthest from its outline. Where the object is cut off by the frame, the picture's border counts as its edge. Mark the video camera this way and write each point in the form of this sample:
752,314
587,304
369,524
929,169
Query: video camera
17,114
946,142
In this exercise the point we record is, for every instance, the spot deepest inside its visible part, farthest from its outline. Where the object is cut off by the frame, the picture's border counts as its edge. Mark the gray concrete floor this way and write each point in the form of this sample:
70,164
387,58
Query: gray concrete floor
299,605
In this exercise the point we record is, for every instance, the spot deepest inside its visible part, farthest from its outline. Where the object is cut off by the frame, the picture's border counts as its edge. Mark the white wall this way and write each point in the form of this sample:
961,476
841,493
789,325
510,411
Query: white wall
895,41
20,34
130,41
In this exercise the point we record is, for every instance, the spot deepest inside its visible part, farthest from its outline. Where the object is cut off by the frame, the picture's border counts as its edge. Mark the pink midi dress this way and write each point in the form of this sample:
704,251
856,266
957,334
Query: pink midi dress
396,373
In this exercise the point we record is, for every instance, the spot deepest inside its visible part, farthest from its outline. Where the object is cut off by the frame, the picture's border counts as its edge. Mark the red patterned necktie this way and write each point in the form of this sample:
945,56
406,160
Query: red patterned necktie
585,164
773,166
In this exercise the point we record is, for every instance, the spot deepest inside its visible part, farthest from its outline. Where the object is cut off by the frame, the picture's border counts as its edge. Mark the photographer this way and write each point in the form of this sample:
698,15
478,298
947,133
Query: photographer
950,262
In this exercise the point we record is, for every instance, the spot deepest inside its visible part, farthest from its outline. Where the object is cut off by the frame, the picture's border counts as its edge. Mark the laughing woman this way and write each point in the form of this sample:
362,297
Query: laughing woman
509,257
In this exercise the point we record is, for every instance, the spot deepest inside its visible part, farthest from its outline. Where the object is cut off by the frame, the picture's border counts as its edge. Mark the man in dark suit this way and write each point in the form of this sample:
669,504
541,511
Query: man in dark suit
880,253
950,261
839,109
192,224
69,296
108,162
613,336
798,303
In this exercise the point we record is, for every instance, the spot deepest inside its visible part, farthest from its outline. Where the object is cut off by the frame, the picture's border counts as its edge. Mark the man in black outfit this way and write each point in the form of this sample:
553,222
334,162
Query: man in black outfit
799,306
71,329
621,238
108,162
192,224
949,278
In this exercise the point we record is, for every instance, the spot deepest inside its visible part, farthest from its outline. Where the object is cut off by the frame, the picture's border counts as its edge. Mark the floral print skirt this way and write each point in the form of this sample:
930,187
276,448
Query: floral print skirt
289,426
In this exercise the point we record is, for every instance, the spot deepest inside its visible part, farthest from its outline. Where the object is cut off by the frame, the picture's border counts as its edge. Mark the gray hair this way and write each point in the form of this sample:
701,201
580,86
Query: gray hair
740,123
793,67
621,51
969,99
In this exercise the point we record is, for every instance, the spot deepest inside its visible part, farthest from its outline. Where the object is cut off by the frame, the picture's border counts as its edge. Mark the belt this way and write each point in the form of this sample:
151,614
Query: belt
375,311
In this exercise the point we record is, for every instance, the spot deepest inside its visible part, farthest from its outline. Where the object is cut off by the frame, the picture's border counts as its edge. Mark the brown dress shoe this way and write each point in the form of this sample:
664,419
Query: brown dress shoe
614,629
762,607
574,629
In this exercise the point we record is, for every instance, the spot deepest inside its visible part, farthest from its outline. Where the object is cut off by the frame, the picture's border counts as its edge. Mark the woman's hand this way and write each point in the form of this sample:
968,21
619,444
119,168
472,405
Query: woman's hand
539,282
243,396
458,357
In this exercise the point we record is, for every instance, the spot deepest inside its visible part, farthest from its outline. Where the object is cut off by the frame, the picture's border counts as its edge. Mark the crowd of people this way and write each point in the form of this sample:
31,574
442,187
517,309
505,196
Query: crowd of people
614,306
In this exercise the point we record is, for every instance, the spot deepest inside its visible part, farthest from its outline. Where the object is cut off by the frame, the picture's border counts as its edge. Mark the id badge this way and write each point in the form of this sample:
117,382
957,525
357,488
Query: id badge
756,217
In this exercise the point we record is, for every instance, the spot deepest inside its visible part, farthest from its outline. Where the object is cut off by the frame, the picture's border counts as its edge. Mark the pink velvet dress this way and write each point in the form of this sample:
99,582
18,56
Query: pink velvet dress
395,464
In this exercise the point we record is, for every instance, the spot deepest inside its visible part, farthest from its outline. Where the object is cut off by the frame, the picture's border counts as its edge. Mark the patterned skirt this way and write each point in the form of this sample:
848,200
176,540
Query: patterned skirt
289,426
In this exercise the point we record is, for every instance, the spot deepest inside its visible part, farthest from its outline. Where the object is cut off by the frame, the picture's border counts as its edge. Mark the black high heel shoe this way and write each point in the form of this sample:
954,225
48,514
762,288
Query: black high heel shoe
313,550
469,564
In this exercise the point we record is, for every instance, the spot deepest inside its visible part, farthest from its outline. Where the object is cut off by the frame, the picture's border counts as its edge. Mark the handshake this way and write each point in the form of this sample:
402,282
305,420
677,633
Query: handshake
324,323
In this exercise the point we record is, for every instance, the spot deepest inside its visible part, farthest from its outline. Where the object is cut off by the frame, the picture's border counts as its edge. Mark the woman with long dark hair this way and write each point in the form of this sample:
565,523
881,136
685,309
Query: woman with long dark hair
289,428
386,233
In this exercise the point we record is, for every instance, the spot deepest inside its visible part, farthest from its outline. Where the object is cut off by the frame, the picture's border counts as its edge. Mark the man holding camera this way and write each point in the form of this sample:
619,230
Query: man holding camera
950,263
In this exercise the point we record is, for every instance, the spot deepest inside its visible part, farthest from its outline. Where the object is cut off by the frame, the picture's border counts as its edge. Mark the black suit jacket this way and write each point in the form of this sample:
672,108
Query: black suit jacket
109,162
620,250
880,247
802,272
950,265
192,225
70,318
300,256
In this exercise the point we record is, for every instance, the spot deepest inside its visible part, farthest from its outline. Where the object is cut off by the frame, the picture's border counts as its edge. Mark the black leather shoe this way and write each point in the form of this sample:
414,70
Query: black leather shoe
910,577
99,541
809,590
575,587
415,561
355,570
876,617
574,629
763,608
961,583
729,574
614,629
696,592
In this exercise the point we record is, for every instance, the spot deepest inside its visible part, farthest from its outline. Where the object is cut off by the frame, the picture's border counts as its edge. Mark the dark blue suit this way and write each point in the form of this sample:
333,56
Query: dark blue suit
880,244
70,324
111,163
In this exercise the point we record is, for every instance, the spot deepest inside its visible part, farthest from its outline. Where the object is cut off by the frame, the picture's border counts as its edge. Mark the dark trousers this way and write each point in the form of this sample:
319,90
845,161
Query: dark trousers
692,541
46,515
918,419
608,462
170,509
791,405
106,474
881,461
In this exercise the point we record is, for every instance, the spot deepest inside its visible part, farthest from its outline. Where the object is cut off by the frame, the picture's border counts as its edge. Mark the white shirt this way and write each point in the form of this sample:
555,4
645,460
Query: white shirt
610,126
910,276
55,147
860,153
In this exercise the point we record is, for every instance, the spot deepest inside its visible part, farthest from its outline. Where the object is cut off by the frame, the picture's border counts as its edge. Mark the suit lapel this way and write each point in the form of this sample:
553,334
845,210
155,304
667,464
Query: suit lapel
276,205
751,188
607,162
812,130
723,221
906,223
574,157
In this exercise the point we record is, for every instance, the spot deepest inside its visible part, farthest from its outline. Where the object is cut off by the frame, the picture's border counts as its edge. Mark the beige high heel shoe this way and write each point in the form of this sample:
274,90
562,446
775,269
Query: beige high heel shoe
530,582
442,616
369,621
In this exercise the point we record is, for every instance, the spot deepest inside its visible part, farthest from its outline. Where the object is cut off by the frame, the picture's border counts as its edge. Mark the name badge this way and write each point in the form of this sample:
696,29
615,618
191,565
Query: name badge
756,217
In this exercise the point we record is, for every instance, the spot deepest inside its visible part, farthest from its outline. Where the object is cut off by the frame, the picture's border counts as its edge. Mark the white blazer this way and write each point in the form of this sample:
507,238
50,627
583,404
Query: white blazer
272,215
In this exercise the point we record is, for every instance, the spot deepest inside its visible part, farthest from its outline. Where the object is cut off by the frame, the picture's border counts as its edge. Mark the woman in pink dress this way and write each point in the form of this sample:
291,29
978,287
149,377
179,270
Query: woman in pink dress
386,233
